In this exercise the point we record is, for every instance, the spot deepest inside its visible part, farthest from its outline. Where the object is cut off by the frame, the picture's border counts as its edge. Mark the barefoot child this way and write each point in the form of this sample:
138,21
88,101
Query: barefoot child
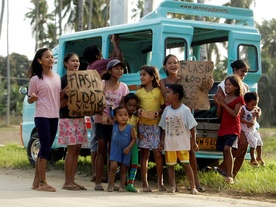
151,106
178,135
122,141
131,101
248,125
229,108
171,66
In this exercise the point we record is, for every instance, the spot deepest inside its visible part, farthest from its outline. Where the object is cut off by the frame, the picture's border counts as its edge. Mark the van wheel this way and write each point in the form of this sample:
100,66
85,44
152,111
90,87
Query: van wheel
33,148
204,163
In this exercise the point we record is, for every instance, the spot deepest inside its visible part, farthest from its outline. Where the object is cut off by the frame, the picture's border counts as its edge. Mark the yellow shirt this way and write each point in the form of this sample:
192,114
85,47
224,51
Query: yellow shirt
150,101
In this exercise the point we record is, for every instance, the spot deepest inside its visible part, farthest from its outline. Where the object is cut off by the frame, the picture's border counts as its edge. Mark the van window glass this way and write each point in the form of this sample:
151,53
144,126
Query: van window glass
78,46
249,53
177,47
136,48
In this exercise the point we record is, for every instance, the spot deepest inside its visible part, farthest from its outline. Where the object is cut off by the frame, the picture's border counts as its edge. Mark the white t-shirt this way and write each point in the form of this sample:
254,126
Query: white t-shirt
48,92
248,115
177,124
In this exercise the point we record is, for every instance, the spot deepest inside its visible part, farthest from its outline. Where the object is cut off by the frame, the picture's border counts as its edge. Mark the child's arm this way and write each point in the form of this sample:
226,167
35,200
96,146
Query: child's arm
194,146
132,142
32,98
216,99
64,97
257,112
159,113
163,87
161,144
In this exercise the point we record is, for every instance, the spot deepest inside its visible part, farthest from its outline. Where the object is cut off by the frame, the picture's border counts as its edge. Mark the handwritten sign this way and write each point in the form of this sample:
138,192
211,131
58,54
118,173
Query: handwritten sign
86,95
195,76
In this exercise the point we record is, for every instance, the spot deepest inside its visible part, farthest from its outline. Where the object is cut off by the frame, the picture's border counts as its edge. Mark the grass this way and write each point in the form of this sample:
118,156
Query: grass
253,181
14,156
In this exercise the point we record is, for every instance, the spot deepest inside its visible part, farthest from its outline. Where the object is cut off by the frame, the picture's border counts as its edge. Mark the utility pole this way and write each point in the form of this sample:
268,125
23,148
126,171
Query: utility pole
8,70
148,6
118,12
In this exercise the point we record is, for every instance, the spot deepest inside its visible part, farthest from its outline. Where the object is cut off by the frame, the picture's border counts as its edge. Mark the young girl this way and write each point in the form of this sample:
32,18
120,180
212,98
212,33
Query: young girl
228,108
171,65
151,106
44,89
114,92
72,130
248,122
122,141
131,101
239,68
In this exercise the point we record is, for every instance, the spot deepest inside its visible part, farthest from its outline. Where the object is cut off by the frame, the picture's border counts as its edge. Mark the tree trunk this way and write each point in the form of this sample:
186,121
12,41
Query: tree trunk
90,14
36,26
80,15
60,16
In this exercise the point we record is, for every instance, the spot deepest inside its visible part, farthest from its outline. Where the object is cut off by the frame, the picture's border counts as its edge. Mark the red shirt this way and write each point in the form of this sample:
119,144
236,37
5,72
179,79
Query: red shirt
230,124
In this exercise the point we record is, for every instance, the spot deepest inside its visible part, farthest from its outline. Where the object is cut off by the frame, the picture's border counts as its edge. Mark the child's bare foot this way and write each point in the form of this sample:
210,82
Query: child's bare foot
194,191
161,188
93,178
147,189
80,186
121,189
35,184
172,189
261,162
110,188
45,187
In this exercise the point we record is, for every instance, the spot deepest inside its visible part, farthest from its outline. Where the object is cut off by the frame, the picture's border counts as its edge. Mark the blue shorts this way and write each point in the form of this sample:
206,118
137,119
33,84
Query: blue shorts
227,140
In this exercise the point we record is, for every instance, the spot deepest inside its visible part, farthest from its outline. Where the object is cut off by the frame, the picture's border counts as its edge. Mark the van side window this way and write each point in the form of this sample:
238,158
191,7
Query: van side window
249,53
78,46
137,49
176,46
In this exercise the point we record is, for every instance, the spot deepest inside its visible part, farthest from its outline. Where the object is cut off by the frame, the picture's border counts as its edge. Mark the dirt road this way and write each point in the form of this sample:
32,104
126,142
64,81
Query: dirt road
15,190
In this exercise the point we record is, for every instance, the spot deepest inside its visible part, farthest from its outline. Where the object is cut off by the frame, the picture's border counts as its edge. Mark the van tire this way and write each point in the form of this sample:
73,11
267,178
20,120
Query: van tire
33,148
203,163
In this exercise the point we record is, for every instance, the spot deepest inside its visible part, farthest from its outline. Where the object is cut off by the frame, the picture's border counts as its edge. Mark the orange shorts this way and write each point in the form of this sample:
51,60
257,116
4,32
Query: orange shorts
172,156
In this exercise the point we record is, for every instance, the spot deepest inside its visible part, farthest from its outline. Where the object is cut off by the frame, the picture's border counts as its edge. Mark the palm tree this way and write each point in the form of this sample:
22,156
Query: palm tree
40,22
268,31
266,86
96,18
138,11
241,3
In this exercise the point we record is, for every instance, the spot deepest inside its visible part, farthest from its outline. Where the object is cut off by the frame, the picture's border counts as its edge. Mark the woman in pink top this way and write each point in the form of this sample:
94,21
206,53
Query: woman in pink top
44,89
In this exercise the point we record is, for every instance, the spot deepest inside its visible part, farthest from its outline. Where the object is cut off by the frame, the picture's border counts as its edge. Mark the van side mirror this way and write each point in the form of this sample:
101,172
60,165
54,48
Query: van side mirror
23,90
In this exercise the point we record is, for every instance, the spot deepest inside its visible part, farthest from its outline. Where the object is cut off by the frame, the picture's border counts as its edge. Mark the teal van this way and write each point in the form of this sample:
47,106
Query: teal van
179,28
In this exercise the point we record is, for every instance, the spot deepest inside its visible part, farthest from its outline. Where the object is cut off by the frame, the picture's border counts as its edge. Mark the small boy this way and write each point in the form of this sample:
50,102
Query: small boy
248,126
178,127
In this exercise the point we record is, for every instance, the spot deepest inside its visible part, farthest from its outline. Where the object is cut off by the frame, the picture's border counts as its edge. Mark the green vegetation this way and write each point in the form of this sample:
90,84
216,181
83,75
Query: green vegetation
251,181
14,156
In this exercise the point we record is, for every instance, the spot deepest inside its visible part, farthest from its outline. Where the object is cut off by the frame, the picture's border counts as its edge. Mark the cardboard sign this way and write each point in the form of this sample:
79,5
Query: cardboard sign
86,94
195,77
